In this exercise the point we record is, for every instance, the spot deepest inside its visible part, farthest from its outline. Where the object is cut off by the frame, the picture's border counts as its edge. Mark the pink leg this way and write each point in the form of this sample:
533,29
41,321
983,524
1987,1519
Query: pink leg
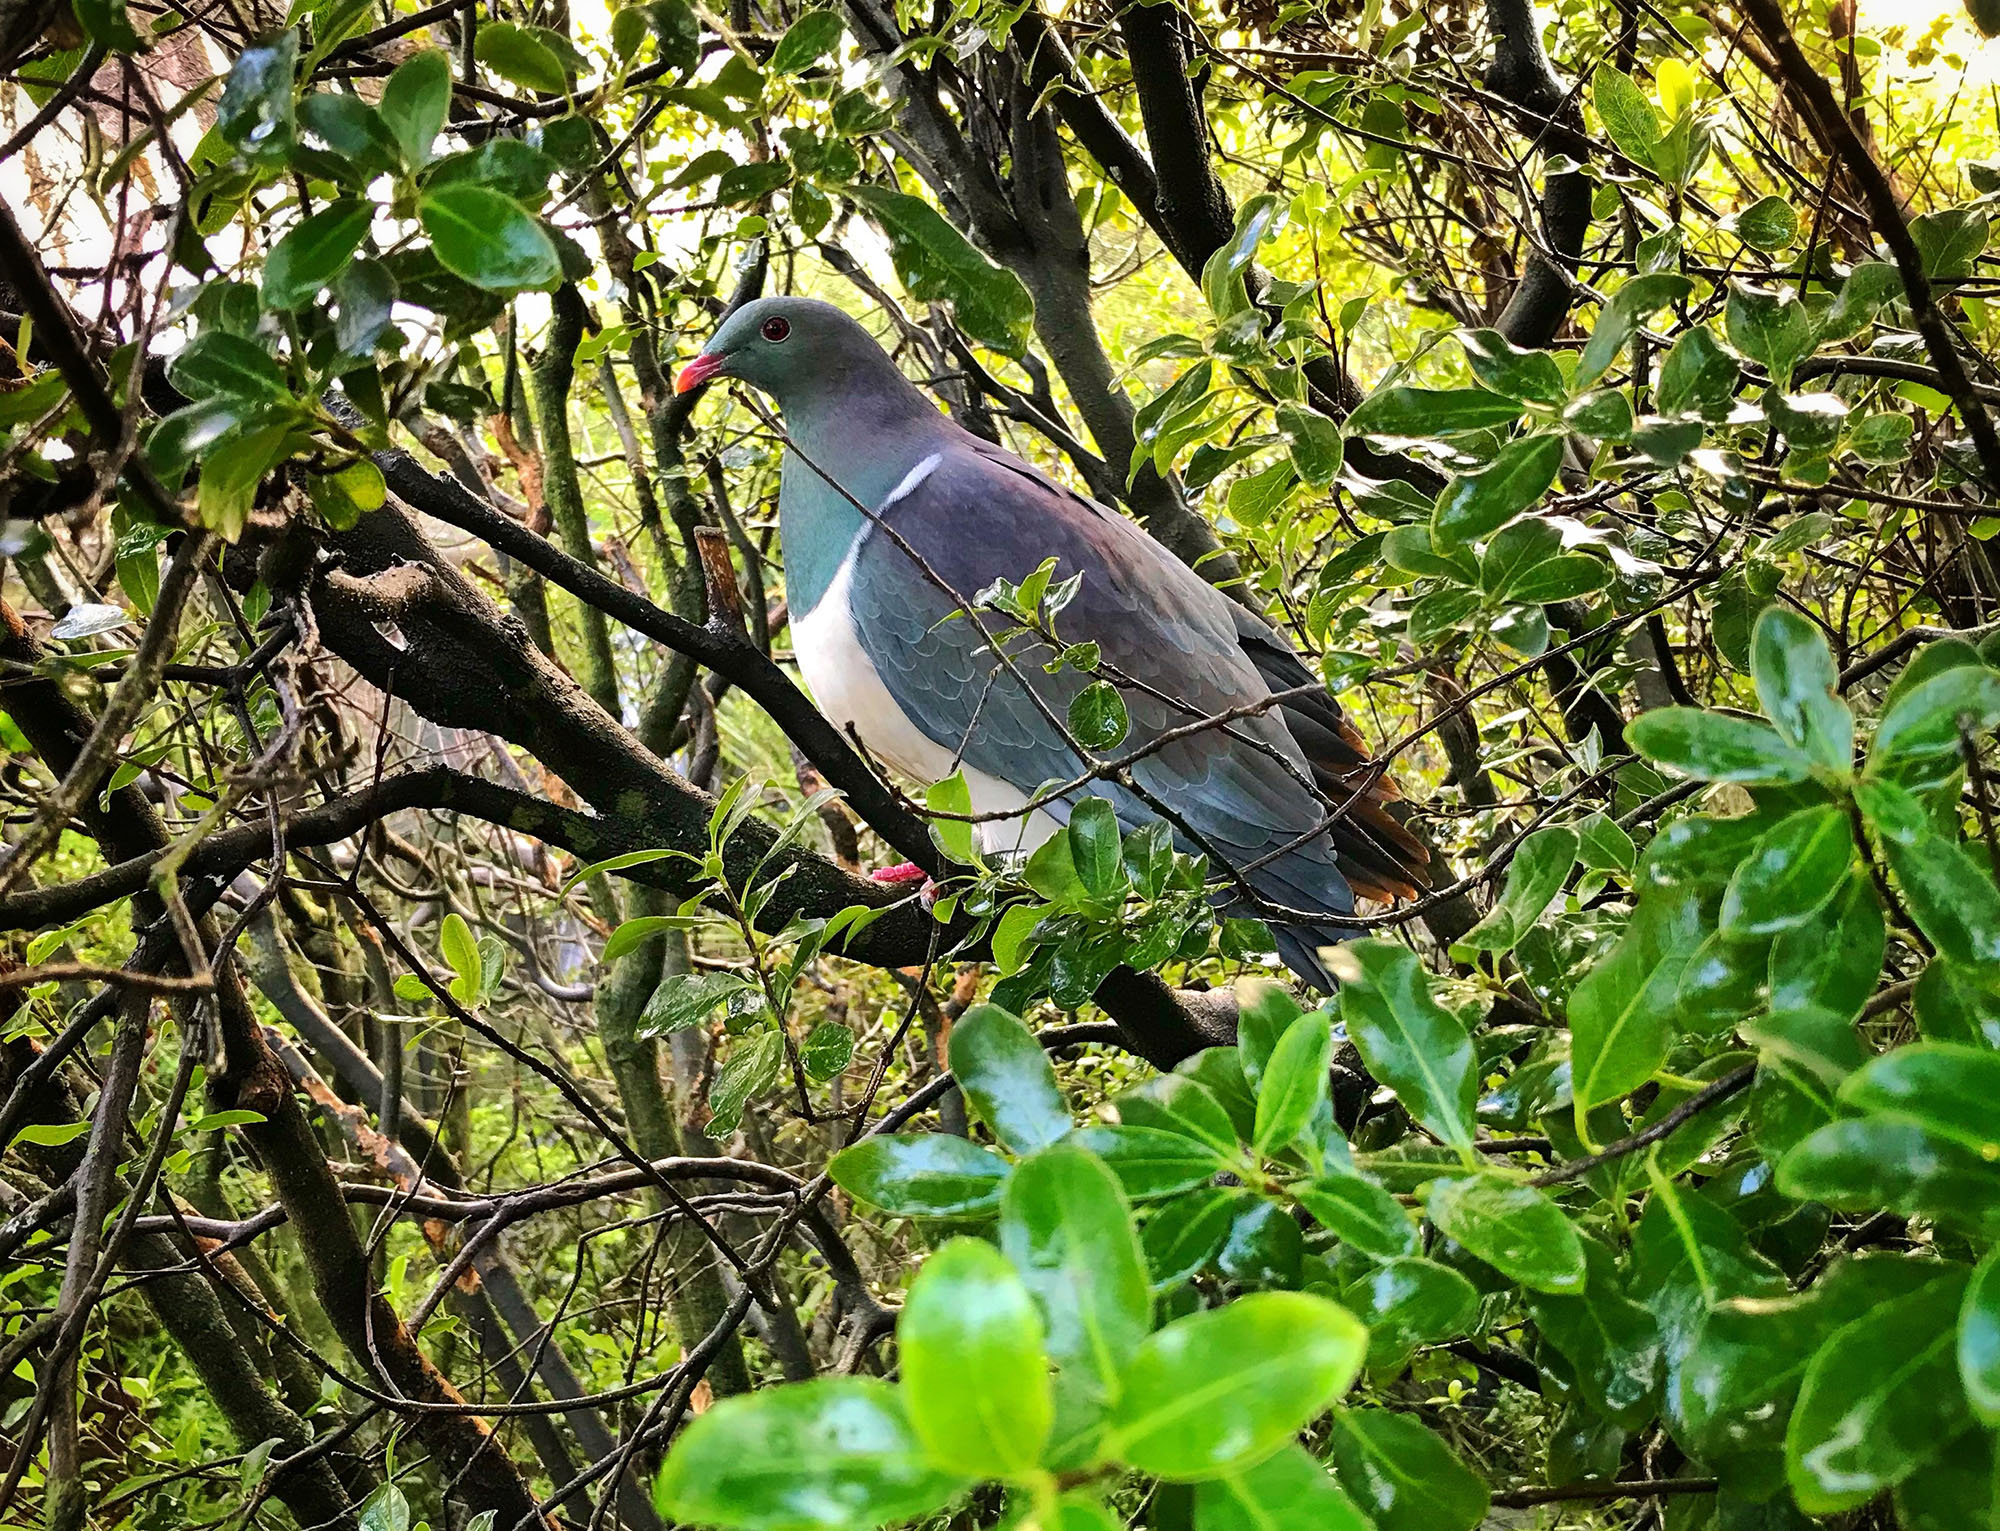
902,872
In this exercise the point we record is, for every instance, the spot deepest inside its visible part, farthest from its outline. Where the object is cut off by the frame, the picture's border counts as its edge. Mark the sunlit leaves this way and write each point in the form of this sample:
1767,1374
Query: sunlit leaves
974,1372
938,264
1409,1042
487,238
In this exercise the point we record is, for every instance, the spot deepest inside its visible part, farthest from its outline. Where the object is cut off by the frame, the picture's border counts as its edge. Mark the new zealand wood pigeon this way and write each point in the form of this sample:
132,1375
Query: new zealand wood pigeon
877,641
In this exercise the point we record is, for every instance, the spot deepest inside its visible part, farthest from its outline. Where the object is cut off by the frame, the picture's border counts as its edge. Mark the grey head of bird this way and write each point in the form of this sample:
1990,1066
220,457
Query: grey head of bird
807,355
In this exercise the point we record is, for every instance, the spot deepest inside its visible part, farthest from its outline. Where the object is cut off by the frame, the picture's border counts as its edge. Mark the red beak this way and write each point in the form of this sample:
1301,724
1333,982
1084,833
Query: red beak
697,372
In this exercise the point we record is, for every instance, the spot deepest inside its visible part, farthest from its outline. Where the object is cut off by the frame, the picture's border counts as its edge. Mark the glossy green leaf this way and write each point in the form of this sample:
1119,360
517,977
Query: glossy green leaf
1950,895
520,58
1286,1492
1714,746
1620,319
1403,1475
921,1175
1513,1227
969,1316
1897,1164
414,102
1008,1079
1507,369
1535,875
1797,681
1360,1213
1065,1225
806,41
821,1456
1409,1302
310,256
1795,871
1478,504
1979,1340
1149,1163
1220,1390
1182,1235
1295,1082
1631,121
1831,961
1612,1342
1177,1103
1094,848
1881,1398
1621,1016
938,264
1097,716
1769,327
1924,721
487,238
1418,412
1409,1042
1769,223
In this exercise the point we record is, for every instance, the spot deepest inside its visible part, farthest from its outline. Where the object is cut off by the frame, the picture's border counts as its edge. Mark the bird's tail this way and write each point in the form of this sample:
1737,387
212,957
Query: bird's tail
1299,948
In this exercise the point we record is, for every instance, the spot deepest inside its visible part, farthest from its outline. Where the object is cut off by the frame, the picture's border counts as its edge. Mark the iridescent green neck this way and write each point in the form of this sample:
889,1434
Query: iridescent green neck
866,451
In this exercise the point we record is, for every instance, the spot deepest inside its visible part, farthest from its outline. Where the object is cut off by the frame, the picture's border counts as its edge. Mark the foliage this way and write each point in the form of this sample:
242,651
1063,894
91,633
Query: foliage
452,1072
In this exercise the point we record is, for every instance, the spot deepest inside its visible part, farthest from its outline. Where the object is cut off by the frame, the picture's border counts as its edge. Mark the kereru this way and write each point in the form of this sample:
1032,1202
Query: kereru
879,645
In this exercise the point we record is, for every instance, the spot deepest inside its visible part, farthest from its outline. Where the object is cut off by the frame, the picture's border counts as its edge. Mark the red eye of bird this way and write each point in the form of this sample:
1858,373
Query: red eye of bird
777,329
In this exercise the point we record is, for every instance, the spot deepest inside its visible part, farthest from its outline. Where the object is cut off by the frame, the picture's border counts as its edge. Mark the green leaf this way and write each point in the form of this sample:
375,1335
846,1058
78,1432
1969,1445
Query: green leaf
1697,374
687,999
937,264
1715,746
1831,961
1295,1082
825,1455
1008,1079
1097,716
1512,1227
1287,1492
343,498
1065,1225
1950,241
636,932
1409,1042
1218,1391
1602,415
414,103
1534,877
461,952
1770,327
1532,376
1184,1234
751,1069
520,58
952,835
806,41
1314,443
1149,1163
921,1175
1419,412
1630,120
106,23
1361,1214
219,365
975,1377
826,1051
487,239
1477,504
1979,1340
1621,1015
1408,1302
1403,1475
1177,1103
1095,848
1950,896
1881,1398
1769,223
1612,1342
1795,871
51,1134
1898,1164
1947,1087
257,115
1958,1490
1558,579
1922,723
1620,319
1797,681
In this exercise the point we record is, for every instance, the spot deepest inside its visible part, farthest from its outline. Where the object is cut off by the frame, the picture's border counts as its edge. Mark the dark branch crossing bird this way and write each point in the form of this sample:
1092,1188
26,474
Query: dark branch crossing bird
893,517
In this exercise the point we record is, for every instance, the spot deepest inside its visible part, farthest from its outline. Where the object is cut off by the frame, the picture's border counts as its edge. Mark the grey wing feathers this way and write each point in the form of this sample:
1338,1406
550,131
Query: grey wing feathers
1244,794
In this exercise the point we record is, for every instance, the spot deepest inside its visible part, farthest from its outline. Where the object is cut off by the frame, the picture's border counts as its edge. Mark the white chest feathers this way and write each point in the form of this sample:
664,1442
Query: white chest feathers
849,690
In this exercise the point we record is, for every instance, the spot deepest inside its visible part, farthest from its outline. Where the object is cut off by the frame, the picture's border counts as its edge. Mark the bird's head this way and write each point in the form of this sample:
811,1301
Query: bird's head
784,347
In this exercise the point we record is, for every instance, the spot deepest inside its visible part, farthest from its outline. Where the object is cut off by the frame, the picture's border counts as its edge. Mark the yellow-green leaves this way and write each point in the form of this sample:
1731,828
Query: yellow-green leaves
1007,1078
974,1371
938,264
1512,1227
487,238
1219,1390
826,1455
